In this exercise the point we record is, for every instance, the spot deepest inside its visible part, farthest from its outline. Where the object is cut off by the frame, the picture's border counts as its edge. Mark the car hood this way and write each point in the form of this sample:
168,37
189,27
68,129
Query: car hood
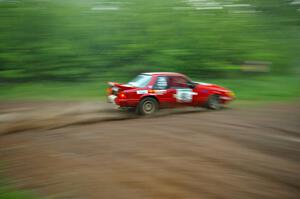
212,86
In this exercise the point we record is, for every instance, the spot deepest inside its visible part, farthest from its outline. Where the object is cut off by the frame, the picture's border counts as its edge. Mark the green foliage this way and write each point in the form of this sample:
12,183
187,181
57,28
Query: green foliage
64,40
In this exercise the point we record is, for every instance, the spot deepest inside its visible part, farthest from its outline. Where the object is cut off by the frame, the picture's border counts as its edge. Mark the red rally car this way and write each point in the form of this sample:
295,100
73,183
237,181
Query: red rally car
150,91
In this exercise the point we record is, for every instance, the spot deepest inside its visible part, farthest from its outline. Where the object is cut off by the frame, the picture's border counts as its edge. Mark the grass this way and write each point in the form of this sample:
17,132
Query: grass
270,88
14,194
53,91
7,192
264,88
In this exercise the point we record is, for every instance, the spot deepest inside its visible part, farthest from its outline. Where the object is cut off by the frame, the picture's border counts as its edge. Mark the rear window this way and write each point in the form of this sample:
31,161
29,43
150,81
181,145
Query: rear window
140,81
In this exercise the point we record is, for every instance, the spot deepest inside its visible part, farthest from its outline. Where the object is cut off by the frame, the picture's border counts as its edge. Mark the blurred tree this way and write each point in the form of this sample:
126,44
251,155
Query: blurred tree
64,40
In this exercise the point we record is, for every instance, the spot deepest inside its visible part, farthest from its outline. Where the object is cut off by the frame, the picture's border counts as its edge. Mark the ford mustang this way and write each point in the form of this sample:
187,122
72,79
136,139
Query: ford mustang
149,92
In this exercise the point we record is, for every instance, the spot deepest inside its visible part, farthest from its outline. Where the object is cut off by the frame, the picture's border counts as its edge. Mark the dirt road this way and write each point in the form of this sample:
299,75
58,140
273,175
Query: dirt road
88,150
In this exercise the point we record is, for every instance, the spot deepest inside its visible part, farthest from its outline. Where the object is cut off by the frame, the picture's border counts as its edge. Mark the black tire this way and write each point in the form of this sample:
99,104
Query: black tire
147,106
213,102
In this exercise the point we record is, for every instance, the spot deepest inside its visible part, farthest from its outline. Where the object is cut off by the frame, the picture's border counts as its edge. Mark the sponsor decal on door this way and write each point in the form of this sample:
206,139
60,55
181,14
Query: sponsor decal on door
184,95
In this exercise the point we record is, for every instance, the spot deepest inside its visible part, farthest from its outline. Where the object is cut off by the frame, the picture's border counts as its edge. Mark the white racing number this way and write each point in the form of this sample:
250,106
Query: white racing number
184,95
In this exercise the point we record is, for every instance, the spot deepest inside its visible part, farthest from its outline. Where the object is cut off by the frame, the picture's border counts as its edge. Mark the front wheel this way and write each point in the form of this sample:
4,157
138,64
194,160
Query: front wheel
147,106
213,102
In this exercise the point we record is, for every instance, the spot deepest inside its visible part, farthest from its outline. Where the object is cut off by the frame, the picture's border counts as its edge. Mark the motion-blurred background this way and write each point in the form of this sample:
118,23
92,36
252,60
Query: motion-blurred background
68,49
59,139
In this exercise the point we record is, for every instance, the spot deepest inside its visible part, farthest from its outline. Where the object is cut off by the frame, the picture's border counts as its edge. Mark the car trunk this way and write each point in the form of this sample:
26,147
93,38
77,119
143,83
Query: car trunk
115,88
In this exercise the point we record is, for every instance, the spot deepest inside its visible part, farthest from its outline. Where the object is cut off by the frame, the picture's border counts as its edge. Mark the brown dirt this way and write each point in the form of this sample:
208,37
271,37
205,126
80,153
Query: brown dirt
90,150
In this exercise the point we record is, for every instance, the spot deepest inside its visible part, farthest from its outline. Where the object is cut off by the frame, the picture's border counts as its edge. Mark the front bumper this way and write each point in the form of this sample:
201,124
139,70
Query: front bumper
230,96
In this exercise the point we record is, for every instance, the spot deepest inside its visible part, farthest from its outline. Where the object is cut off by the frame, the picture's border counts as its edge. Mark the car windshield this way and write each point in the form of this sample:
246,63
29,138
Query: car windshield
140,81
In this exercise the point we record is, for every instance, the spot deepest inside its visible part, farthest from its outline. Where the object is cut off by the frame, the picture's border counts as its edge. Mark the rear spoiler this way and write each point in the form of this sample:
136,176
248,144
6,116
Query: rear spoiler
121,86
111,84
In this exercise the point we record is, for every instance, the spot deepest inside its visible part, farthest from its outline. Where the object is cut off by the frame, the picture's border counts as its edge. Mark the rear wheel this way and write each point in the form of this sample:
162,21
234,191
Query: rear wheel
147,106
213,102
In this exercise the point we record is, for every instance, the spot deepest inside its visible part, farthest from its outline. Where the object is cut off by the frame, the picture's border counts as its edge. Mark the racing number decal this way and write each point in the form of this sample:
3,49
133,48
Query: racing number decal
184,95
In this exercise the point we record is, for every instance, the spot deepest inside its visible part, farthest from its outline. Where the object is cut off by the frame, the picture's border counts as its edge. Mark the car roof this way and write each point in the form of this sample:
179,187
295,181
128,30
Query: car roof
164,74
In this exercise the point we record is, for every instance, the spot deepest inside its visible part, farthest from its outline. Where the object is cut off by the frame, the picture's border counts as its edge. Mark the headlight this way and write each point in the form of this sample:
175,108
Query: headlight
231,94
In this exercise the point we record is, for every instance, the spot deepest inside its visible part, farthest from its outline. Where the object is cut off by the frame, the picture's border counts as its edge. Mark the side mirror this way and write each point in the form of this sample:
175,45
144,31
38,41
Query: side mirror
191,84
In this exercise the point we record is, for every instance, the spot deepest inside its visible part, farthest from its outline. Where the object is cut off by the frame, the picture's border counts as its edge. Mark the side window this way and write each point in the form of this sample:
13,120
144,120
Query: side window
178,82
161,83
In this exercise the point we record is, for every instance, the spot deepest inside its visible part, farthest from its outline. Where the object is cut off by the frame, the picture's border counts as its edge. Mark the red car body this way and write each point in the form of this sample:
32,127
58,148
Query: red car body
168,89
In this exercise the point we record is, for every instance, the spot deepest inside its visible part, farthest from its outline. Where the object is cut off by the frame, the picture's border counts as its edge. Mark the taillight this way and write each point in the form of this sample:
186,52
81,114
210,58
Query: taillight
122,95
